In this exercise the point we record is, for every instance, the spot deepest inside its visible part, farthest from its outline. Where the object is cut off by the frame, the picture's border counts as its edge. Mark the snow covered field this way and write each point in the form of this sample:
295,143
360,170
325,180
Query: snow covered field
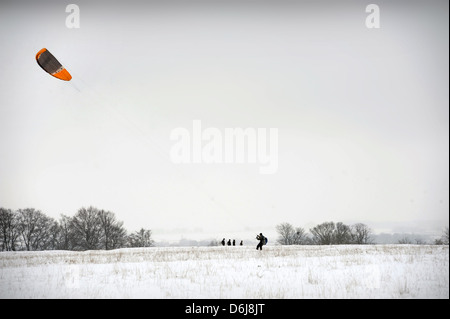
371,271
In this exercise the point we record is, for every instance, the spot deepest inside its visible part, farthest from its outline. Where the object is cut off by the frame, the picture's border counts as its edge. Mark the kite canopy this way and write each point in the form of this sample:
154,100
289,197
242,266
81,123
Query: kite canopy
48,62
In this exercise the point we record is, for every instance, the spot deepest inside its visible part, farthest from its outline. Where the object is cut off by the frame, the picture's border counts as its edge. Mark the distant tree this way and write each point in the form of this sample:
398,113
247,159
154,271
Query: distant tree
420,241
444,236
361,234
323,234
286,234
36,229
87,229
65,237
300,237
443,240
405,240
119,237
141,238
342,234
9,232
54,236
113,234
214,242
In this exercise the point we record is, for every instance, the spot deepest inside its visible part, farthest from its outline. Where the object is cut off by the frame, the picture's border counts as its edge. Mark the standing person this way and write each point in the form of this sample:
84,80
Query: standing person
242,243
229,242
234,242
223,242
261,239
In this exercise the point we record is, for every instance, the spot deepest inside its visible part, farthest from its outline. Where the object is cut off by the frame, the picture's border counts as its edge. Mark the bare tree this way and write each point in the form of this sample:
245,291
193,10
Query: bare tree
300,237
323,234
65,239
87,229
9,232
445,236
118,238
404,241
113,233
420,241
36,229
286,234
443,240
214,242
342,234
141,238
361,234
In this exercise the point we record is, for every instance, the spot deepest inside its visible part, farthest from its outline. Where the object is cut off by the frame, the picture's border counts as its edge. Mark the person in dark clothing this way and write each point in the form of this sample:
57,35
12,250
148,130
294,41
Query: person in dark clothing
261,239
234,242
223,242
242,243
229,242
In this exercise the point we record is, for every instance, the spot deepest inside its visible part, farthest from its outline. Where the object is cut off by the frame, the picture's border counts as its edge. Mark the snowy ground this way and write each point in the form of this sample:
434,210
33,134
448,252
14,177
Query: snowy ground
372,271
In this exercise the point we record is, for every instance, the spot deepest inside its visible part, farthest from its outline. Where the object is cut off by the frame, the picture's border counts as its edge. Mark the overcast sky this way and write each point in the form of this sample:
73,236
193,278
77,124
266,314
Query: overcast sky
362,113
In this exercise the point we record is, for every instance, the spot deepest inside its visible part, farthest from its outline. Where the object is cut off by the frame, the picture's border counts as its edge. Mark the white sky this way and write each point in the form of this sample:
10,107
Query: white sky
362,114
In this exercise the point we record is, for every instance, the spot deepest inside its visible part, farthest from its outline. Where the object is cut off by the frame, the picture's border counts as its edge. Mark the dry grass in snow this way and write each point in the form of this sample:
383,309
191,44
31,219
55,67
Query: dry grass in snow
348,271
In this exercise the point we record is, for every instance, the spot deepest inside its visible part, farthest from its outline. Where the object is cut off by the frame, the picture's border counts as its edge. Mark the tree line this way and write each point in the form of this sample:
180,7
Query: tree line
330,233
89,229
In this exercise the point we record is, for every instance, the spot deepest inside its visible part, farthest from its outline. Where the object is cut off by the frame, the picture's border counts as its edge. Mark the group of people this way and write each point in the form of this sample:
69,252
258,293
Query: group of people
260,237
229,242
